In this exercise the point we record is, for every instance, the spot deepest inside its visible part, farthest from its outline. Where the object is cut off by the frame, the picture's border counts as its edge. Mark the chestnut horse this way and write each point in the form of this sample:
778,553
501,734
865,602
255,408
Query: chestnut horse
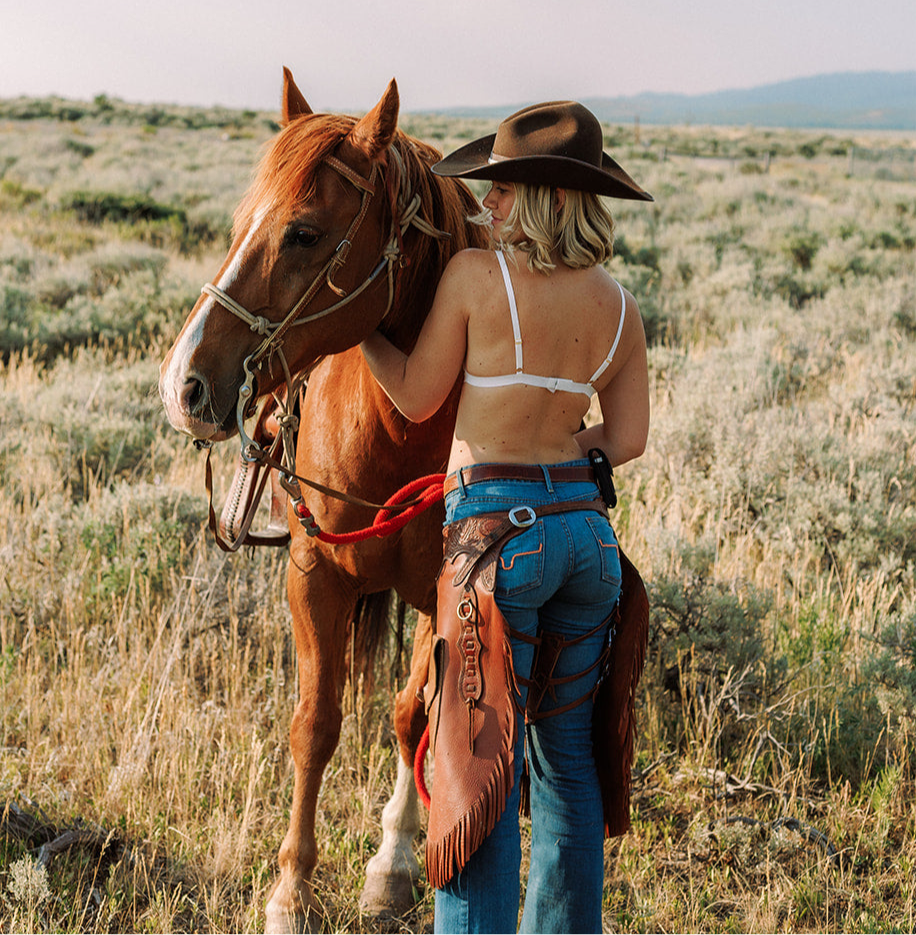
343,230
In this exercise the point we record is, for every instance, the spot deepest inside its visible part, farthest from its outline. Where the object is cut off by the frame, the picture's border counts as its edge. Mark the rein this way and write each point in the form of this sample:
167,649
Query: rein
395,513
392,256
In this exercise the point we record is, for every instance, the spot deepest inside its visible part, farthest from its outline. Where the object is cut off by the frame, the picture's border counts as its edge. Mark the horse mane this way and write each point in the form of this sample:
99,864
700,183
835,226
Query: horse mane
446,204
287,171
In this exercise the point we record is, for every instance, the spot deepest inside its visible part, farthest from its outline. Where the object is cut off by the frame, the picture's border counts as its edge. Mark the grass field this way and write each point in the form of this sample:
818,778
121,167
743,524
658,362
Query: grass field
147,680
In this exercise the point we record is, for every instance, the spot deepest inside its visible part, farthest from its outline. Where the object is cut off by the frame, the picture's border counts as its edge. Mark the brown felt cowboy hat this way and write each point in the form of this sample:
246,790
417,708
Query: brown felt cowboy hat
558,144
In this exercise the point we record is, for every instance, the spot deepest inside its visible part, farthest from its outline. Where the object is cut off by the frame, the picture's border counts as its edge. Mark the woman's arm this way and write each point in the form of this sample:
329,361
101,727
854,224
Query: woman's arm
624,403
420,383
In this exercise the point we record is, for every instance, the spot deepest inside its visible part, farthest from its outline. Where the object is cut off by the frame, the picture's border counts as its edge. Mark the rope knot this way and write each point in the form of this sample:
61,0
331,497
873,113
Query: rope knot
286,420
260,325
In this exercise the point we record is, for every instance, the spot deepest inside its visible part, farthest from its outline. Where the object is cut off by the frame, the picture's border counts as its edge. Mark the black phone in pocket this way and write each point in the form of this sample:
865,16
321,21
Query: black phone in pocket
604,476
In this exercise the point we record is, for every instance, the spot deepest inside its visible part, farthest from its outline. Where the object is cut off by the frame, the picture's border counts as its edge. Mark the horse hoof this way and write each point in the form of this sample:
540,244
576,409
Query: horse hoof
388,896
278,921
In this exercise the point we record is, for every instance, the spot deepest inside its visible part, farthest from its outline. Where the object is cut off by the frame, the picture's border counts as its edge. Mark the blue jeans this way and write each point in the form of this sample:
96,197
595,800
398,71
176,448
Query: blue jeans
562,574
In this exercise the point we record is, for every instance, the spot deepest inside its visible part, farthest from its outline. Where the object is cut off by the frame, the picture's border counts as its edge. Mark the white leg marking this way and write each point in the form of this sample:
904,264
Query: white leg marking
393,872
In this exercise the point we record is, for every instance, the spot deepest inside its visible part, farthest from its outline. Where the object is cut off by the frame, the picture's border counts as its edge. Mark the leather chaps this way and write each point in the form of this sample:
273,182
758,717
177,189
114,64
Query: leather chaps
472,693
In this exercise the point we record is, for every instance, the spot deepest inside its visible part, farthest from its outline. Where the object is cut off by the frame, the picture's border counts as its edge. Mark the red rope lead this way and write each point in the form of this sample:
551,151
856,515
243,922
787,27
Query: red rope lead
419,770
384,523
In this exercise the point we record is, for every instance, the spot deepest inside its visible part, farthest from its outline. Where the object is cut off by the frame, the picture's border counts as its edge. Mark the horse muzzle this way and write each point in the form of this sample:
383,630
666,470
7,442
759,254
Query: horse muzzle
191,409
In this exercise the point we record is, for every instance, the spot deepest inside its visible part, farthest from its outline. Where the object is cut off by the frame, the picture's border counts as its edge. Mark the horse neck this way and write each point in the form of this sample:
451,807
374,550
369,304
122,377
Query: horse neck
446,205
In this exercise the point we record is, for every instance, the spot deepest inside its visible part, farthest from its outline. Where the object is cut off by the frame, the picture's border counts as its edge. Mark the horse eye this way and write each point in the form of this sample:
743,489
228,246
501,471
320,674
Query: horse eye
303,237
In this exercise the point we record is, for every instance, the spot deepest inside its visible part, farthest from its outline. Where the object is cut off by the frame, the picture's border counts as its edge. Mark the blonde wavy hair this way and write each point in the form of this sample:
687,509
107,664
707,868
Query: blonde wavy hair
581,232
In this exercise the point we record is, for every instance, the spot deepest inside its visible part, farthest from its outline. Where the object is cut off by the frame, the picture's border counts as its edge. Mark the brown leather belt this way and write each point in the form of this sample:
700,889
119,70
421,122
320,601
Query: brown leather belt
558,475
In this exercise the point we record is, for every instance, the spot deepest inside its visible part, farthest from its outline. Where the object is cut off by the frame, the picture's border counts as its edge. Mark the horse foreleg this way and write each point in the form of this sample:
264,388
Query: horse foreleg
393,874
320,624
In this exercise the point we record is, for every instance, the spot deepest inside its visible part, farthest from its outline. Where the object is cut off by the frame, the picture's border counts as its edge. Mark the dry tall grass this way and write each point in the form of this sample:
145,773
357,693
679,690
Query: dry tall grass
147,680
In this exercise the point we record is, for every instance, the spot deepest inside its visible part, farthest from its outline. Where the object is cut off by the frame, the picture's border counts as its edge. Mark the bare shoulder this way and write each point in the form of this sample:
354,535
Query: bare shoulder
472,261
632,337
632,304
610,286
469,271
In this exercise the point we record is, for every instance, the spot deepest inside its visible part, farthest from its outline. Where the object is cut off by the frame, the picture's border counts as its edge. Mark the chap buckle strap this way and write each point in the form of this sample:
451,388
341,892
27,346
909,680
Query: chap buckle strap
548,648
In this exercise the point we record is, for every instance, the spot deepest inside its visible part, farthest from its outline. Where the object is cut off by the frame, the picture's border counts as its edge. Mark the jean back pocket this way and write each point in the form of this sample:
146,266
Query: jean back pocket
521,563
608,551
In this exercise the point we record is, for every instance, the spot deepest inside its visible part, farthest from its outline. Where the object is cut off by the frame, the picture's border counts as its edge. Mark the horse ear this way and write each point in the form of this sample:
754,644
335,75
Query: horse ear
294,104
374,132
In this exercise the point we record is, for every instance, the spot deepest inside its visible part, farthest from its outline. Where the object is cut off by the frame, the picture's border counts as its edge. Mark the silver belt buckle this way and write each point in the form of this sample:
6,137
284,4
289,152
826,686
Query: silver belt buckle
522,516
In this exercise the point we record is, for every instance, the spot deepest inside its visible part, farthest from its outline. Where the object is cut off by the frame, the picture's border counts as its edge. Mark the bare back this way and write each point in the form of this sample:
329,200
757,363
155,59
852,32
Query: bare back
568,323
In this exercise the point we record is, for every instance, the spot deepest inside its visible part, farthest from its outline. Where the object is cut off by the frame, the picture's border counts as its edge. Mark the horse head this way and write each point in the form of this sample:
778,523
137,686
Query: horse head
312,269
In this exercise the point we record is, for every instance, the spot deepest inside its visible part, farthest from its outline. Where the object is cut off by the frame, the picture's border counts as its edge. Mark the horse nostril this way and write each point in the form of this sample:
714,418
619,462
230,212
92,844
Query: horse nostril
193,396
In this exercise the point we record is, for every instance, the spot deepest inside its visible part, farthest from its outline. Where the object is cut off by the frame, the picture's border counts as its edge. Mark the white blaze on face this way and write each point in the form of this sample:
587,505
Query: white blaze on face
187,344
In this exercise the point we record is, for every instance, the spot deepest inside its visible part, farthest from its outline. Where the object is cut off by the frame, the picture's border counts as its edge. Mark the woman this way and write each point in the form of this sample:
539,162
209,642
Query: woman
538,327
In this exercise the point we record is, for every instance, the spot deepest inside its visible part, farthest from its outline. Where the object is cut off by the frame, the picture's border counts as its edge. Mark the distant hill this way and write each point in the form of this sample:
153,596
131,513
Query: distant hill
874,100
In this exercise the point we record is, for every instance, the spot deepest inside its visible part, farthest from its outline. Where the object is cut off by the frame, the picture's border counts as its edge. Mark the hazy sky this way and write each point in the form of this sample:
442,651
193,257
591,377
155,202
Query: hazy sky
473,52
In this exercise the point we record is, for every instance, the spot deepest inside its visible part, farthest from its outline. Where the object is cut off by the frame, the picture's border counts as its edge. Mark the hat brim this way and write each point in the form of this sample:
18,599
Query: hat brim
472,161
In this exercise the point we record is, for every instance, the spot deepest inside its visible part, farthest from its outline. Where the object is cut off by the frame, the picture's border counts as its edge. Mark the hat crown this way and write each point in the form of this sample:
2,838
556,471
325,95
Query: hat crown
557,128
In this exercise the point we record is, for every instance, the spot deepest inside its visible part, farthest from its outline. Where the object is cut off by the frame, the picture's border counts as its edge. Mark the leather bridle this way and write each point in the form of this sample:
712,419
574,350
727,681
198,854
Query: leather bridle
392,257
274,331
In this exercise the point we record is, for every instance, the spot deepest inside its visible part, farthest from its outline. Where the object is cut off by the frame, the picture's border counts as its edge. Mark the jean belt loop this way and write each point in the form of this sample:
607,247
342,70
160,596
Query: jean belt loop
548,482
462,490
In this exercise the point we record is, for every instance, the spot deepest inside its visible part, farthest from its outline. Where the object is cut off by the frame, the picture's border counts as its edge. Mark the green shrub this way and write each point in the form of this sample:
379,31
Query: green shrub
905,315
648,256
120,293
797,290
891,673
83,150
144,218
96,207
94,424
13,195
720,626
816,637
802,248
